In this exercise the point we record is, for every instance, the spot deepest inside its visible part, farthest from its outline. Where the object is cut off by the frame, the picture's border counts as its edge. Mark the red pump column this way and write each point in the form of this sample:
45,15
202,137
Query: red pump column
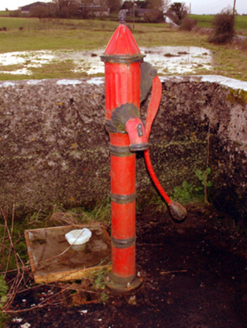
127,79
122,59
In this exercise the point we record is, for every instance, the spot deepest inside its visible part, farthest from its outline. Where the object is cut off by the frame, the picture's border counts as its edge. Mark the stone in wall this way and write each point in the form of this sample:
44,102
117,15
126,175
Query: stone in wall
53,144
191,113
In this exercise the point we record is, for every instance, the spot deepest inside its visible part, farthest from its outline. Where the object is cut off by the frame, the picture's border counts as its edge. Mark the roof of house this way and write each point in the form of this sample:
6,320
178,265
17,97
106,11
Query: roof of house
28,7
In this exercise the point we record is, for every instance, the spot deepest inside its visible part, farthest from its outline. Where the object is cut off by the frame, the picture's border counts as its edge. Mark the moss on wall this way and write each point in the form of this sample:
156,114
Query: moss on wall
237,96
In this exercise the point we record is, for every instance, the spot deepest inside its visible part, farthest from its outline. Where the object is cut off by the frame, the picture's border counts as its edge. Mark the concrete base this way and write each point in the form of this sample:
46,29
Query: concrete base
123,285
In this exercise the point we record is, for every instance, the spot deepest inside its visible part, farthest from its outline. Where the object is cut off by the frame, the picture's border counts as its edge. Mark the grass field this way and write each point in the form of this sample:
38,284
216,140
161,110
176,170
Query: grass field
4,13
206,21
55,34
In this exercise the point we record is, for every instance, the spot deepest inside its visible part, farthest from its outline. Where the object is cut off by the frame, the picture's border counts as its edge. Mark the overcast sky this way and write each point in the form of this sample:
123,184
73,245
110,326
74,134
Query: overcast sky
197,6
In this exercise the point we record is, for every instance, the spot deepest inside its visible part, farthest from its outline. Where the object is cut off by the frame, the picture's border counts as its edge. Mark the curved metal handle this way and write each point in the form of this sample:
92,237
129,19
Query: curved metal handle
154,104
177,211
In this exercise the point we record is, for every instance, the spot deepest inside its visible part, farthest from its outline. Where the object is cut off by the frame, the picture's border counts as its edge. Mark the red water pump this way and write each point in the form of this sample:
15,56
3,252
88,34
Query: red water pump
128,80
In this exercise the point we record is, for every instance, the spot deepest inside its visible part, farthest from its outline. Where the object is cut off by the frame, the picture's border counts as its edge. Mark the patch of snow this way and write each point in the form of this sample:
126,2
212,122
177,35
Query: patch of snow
232,83
178,60
167,78
22,71
34,82
96,80
68,82
7,84
219,79
167,60
28,59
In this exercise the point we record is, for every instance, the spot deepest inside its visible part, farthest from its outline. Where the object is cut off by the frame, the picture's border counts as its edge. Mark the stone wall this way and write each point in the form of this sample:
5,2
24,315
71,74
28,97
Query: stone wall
54,147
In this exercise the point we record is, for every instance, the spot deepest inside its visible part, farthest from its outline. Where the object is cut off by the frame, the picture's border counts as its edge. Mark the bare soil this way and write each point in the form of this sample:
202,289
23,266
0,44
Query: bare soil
194,275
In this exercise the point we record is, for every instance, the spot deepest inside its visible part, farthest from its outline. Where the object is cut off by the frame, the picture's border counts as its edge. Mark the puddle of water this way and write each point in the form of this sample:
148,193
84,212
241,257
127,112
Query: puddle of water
167,60
27,59
178,60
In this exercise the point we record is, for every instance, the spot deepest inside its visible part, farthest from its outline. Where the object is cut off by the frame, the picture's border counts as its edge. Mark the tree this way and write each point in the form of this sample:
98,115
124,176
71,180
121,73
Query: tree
162,5
103,4
180,9
223,27
66,8
127,5
84,9
114,5
40,11
156,8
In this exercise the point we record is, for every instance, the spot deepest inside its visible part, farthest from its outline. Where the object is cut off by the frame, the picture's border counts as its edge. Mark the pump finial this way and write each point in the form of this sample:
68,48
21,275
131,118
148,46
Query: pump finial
122,16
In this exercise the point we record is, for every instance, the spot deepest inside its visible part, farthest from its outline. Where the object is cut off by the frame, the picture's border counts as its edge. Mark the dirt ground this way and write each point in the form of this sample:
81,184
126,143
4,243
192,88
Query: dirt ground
194,276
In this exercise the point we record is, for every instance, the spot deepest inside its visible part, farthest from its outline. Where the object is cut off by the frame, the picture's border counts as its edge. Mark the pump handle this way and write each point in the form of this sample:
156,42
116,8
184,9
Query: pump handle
177,211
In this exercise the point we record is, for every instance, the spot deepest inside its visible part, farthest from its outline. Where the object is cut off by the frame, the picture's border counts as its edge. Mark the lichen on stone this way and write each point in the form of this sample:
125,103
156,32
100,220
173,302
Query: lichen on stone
238,96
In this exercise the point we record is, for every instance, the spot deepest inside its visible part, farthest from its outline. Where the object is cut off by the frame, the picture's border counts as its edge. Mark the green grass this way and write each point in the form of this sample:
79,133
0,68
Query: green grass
4,13
53,34
57,34
203,20
206,21
241,23
36,24
52,40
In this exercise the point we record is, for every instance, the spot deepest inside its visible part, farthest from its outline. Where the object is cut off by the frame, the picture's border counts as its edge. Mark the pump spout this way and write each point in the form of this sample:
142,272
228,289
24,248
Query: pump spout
126,119
137,134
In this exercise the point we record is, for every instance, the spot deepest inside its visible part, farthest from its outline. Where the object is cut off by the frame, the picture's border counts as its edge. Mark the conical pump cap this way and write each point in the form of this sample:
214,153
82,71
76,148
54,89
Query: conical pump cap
122,42
122,47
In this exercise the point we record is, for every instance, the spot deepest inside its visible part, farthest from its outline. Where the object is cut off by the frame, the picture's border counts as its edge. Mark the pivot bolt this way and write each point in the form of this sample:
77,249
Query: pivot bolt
139,130
138,274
